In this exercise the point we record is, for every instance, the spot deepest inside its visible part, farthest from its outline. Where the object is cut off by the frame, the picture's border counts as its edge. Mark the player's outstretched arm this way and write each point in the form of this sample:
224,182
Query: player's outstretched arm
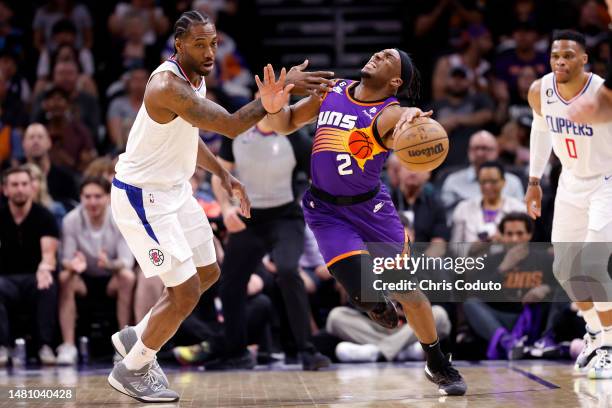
293,117
394,118
540,147
170,93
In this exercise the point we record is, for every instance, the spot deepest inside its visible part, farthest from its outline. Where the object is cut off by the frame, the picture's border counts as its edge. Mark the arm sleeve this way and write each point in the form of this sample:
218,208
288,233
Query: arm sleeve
540,146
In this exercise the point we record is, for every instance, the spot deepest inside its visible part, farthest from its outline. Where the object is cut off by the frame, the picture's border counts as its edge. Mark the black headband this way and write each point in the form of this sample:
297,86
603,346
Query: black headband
406,70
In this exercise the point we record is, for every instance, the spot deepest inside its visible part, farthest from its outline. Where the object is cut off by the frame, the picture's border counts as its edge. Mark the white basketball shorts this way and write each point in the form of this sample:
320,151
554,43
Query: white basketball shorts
582,204
166,230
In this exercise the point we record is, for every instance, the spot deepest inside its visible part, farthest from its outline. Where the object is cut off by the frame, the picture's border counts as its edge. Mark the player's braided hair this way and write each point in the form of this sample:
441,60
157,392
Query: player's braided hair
187,19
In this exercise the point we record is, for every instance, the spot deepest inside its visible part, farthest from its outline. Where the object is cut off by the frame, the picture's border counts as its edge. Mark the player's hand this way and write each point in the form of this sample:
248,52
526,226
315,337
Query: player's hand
274,94
609,3
533,200
44,278
583,109
232,221
309,82
408,116
236,189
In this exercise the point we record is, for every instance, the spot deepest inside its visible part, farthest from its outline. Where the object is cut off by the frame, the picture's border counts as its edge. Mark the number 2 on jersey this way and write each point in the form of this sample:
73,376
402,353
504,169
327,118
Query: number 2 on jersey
571,148
343,169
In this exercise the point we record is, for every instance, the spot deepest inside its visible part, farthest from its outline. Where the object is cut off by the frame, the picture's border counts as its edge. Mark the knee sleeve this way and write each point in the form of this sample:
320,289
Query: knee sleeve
355,274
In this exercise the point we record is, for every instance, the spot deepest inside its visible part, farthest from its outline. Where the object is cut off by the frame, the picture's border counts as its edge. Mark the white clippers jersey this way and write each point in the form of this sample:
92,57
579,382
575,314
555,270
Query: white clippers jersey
584,150
160,155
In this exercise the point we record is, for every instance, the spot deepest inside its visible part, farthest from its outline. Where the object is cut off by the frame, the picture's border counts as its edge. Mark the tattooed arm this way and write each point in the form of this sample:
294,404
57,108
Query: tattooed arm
168,96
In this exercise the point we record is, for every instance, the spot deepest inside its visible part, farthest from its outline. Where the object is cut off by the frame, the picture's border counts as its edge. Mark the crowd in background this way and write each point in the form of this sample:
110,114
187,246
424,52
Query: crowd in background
71,84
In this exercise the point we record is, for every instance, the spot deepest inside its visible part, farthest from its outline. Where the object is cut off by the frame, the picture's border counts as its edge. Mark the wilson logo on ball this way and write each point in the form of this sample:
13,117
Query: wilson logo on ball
428,151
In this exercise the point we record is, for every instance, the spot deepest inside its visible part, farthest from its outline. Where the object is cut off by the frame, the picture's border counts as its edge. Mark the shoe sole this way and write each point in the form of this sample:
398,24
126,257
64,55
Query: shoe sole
116,385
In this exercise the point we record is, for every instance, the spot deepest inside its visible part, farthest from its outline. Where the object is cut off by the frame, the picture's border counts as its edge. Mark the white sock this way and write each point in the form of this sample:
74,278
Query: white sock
138,356
606,336
592,320
142,325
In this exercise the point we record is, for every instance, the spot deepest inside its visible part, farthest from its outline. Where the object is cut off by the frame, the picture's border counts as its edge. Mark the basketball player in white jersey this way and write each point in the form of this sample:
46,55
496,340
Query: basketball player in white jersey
582,222
151,198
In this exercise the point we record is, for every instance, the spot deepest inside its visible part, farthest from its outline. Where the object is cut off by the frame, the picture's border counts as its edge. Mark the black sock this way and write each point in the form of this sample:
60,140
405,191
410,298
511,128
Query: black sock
434,356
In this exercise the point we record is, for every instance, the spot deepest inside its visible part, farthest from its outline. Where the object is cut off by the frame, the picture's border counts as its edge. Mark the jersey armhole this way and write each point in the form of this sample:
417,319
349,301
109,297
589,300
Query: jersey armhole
377,136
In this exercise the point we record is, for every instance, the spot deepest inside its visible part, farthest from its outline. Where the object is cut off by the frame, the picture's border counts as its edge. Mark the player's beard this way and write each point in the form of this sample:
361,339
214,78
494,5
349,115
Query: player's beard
365,74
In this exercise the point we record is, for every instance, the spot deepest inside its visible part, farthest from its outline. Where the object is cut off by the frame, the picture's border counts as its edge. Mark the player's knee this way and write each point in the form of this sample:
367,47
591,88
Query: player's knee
354,273
208,276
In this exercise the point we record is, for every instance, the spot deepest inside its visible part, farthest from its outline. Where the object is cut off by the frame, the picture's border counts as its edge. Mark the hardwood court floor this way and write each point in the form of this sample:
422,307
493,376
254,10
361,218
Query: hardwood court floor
492,384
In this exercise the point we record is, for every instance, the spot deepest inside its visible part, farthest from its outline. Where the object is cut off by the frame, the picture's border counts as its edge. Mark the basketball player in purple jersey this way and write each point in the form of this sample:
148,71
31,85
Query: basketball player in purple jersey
347,206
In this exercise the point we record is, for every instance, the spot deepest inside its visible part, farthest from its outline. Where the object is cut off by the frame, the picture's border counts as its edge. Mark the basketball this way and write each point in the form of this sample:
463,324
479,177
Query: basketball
422,145
360,144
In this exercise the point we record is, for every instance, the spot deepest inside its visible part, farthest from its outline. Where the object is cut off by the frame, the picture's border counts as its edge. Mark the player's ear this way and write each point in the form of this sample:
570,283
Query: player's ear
397,82
177,44
585,58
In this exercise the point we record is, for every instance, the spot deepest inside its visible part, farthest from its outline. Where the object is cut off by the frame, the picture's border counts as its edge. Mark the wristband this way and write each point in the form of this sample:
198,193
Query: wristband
533,183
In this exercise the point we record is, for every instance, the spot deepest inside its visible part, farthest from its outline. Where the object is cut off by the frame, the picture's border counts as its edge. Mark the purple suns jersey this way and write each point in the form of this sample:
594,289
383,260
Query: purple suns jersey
346,157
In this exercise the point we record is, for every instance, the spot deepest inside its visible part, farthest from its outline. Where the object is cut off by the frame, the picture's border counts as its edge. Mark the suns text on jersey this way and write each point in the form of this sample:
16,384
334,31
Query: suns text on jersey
567,127
337,119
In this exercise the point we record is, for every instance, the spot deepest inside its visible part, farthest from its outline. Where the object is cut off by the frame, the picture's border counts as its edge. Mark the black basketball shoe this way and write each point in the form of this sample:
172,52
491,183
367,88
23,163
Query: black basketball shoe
448,379
385,314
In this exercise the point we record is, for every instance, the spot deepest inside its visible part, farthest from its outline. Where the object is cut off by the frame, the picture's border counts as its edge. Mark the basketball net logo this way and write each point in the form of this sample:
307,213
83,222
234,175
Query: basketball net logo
156,256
